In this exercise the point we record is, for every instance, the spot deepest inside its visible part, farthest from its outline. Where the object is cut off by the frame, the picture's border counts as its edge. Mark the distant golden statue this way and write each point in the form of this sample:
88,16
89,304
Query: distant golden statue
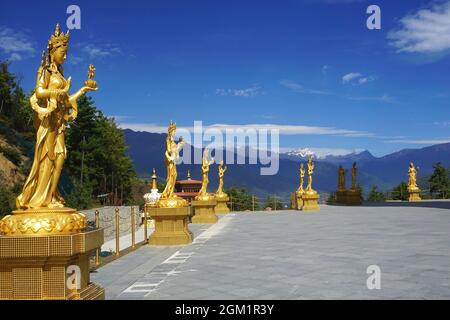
354,171
221,173
40,207
310,174
341,180
412,177
168,199
54,108
302,178
206,162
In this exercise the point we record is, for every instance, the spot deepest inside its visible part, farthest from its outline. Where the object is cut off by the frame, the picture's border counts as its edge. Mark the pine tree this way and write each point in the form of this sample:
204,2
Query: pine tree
439,181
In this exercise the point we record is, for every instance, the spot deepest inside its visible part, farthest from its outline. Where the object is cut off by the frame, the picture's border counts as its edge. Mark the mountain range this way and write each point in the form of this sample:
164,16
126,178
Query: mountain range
146,149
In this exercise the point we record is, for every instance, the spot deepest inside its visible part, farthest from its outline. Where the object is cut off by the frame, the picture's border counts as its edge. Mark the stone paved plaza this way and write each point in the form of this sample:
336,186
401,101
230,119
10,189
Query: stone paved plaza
295,255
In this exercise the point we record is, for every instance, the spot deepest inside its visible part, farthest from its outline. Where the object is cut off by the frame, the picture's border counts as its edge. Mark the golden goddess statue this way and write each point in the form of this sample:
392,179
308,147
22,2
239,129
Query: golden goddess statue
412,180
203,193
341,180
221,172
354,171
309,188
302,178
40,206
168,199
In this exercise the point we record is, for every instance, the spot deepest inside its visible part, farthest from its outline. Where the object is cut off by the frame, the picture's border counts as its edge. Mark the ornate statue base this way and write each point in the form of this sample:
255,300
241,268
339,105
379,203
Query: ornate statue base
414,195
204,209
43,221
171,223
36,266
341,196
353,197
310,201
299,200
221,206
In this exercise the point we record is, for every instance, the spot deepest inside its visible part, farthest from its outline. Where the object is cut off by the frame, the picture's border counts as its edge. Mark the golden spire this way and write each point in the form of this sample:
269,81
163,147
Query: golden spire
189,175
154,184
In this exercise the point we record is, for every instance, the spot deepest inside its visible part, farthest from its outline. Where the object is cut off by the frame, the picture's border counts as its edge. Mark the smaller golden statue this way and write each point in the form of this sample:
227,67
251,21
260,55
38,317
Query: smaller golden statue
203,194
221,172
309,188
168,199
302,178
91,73
413,189
310,197
341,181
354,170
412,177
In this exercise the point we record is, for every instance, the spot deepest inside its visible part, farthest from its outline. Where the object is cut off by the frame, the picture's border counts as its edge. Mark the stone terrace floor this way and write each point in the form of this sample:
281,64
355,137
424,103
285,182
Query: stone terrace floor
295,255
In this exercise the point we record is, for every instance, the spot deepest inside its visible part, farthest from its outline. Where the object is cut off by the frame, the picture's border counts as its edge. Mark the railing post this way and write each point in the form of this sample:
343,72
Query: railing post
117,233
145,226
133,239
253,203
97,226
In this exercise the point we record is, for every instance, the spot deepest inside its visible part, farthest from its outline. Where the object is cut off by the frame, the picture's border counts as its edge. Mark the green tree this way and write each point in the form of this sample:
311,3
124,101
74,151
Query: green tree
97,153
241,199
375,195
400,192
440,181
274,203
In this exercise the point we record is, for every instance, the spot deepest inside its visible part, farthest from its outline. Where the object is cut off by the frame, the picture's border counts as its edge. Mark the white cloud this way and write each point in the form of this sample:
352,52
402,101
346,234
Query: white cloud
356,78
350,76
100,51
283,129
320,153
247,92
442,123
426,31
15,44
291,85
421,141
383,98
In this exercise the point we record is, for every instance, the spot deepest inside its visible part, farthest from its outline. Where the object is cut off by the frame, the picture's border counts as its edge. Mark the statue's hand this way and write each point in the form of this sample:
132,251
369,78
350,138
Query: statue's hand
86,89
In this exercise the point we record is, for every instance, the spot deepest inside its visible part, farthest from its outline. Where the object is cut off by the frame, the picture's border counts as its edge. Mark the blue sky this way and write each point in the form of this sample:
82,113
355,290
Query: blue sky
310,68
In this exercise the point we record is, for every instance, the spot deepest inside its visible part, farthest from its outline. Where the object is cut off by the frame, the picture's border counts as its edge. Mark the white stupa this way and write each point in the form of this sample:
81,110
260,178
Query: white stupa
152,197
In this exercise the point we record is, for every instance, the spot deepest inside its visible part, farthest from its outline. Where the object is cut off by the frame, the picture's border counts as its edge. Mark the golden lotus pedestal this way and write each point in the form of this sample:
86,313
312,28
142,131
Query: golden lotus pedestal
204,211
171,226
49,267
299,200
221,206
353,198
310,201
414,195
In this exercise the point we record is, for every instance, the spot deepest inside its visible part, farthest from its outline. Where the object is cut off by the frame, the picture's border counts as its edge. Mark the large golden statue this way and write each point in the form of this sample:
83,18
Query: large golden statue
43,240
203,193
40,206
221,172
168,199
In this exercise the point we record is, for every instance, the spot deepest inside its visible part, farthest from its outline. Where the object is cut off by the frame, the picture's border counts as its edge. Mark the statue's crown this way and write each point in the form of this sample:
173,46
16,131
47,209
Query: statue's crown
172,126
58,38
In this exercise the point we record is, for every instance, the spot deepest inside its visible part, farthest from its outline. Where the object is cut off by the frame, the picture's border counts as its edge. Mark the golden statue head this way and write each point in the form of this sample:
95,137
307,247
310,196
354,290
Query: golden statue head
57,45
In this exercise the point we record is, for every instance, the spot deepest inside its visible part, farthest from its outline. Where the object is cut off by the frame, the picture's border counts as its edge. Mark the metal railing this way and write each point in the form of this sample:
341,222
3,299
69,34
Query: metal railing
119,230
